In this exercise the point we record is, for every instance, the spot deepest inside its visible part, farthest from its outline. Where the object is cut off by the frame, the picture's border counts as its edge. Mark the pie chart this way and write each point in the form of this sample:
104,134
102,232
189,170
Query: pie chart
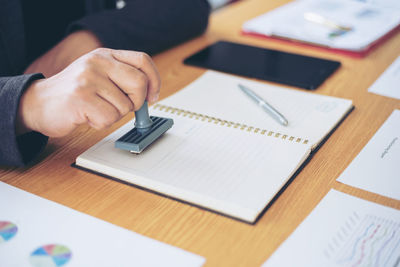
51,255
7,231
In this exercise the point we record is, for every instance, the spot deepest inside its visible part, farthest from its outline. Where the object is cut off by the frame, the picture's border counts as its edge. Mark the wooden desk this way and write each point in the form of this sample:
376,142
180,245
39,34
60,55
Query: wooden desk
222,241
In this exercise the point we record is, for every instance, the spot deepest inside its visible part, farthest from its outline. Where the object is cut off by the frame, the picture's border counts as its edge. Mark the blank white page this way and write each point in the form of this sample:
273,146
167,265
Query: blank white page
377,167
388,83
311,116
225,169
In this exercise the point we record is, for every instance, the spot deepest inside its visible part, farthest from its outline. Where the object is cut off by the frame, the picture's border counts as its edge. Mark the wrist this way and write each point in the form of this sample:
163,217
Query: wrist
25,110
64,53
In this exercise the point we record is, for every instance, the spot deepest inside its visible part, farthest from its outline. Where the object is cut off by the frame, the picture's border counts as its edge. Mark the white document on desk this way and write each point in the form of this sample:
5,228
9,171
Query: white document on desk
343,231
395,4
388,84
36,232
368,23
377,166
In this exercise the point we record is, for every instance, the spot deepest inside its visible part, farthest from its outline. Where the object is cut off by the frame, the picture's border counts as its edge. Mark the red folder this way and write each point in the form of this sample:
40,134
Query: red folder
356,54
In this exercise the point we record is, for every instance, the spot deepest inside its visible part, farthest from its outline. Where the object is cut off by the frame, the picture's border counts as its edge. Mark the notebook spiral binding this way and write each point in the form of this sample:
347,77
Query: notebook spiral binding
226,123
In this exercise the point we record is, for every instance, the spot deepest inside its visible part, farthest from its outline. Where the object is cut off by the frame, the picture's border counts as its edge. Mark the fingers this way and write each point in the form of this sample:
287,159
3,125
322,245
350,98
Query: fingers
98,88
144,63
106,84
97,101
112,93
131,81
133,72
100,113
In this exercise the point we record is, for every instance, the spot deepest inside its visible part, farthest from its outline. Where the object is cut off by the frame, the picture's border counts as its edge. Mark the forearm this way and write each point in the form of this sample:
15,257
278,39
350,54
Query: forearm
64,53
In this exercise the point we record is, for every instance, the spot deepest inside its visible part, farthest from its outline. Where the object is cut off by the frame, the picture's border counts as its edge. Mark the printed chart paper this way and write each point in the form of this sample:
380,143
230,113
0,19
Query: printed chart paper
343,231
388,84
377,166
35,232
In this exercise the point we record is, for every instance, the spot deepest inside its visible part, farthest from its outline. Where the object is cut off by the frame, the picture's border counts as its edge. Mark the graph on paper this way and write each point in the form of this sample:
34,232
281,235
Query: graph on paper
343,231
366,241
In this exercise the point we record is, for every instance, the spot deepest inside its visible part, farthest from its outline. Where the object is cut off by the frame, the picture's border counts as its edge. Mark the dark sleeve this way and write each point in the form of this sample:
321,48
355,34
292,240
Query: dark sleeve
16,150
148,25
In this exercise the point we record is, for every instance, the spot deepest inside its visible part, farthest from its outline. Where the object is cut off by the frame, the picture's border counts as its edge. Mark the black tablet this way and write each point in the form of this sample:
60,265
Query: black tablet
266,64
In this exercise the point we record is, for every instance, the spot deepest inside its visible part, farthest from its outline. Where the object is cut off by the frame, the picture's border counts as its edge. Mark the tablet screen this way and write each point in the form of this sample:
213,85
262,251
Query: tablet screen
266,64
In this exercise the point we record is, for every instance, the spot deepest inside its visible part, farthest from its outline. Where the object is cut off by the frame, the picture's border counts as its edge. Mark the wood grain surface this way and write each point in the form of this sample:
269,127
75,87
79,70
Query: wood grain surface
222,241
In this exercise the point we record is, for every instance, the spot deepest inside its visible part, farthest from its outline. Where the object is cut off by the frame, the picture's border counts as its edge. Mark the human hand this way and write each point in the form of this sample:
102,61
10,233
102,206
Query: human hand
98,89
64,53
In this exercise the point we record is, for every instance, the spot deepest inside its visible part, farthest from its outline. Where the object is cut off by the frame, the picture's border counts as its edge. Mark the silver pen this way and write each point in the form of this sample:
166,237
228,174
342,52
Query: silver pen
264,105
316,18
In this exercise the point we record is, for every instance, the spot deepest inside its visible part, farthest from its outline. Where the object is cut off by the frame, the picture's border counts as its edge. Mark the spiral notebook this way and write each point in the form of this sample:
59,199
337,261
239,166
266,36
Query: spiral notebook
223,153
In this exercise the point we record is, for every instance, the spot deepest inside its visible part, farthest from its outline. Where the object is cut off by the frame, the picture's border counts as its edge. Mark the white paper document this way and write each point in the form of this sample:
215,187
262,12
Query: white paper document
377,167
383,3
340,24
343,231
311,116
35,232
388,84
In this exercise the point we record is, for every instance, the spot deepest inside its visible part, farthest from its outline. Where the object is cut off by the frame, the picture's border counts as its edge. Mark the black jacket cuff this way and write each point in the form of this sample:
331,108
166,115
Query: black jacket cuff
16,150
